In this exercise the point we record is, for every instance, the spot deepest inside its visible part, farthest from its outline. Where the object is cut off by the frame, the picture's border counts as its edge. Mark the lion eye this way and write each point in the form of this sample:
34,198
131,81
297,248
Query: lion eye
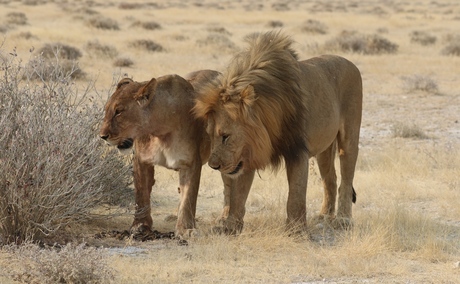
225,138
118,112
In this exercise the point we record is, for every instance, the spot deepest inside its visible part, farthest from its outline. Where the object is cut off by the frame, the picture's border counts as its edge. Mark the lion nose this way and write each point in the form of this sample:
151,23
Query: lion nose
104,137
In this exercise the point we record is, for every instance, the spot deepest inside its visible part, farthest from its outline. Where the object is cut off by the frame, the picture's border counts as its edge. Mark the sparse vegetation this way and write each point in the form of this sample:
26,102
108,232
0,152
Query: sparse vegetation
146,44
150,25
420,83
313,27
453,48
275,24
16,18
53,58
404,130
55,170
96,49
67,264
103,23
123,62
352,41
422,38
218,41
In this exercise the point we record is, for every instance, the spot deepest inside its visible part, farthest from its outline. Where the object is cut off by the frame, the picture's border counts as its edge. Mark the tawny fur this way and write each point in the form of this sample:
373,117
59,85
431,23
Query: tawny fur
269,107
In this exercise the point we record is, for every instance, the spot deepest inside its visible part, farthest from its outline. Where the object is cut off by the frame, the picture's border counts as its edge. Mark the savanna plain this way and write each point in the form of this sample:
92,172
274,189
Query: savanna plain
407,215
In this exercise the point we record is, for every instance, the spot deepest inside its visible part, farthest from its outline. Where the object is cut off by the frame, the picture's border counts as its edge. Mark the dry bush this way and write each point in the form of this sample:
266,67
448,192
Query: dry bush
352,41
55,170
96,49
130,6
422,38
147,44
16,18
103,23
68,264
453,48
420,83
52,59
151,25
59,50
275,24
403,130
313,27
3,29
123,62
219,30
26,35
219,41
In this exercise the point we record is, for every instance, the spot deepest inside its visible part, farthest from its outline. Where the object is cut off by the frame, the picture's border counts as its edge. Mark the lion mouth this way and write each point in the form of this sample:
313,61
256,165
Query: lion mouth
237,169
126,144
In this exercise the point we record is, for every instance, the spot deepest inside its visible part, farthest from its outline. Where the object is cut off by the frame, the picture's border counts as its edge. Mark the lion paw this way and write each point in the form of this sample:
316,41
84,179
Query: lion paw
342,223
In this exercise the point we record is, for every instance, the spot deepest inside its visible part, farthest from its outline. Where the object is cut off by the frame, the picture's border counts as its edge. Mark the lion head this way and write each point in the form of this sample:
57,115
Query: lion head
139,110
247,109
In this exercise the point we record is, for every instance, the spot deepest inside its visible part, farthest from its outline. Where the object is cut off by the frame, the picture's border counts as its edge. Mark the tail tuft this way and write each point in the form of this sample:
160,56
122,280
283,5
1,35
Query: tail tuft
354,195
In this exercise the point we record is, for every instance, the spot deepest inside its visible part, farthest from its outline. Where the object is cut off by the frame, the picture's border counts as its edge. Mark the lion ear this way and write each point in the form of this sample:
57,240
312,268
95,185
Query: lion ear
248,95
123,82
146,93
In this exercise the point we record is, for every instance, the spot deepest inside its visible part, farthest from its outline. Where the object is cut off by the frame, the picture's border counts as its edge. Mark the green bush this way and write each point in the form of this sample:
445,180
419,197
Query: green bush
54,168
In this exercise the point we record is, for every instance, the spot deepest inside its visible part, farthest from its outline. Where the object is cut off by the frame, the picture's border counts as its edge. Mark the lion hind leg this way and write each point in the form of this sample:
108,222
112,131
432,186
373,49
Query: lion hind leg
329,179
348,154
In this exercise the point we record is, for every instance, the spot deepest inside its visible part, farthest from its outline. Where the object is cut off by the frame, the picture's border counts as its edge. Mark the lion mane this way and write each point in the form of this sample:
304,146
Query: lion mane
268,68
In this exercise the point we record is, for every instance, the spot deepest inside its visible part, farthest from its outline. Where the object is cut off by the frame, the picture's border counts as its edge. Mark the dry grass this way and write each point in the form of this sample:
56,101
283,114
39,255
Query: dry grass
406,218
352,41
67,264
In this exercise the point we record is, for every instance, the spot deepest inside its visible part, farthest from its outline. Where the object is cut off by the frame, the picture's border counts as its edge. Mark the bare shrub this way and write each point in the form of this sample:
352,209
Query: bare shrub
352,41
313,27
453,48
16,18
407,131
130,6
53,58
422,38
420,83
62,51
123,62
54,170
96,49
219,41
151,25
147,44
275,24
3,29
218,29
103,23
26,35
68,264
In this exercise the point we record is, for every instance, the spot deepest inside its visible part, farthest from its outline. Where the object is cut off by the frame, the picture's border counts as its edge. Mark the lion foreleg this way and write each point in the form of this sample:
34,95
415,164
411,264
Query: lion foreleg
235,195
297,175
189,180
144,179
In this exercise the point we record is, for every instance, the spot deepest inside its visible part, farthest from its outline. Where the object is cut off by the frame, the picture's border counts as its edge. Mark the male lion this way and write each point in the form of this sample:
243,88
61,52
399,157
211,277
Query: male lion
269,106
155,117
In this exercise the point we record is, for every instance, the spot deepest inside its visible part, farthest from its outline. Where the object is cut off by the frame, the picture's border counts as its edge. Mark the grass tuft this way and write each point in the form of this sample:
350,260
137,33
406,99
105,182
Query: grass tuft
146,44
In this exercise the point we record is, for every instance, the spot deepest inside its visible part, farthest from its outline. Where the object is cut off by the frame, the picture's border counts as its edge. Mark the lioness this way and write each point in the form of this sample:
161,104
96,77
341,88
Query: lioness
155,117
269,106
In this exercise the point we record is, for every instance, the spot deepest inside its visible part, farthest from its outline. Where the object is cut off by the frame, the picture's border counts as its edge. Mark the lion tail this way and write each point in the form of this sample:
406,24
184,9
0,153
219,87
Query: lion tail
353,198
